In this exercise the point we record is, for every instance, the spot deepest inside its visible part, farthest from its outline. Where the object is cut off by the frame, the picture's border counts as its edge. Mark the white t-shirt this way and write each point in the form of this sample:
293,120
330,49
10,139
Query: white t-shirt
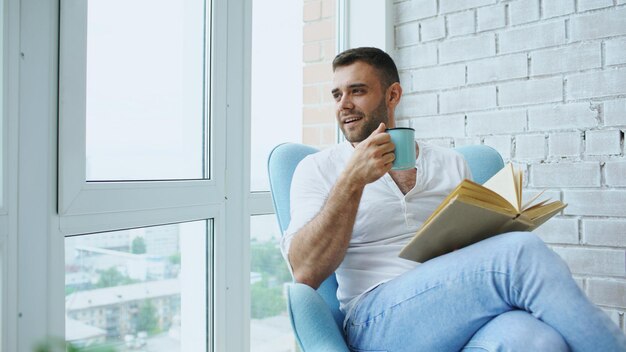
386,219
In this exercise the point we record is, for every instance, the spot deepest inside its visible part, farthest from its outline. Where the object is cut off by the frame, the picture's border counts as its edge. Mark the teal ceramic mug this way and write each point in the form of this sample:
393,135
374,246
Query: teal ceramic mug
404,140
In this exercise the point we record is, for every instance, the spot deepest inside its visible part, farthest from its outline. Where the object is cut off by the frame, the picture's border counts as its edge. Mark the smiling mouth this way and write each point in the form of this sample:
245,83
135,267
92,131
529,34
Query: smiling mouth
351,120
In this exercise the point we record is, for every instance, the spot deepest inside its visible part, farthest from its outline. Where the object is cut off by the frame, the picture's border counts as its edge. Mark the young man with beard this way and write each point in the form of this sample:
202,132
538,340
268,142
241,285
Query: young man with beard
351,214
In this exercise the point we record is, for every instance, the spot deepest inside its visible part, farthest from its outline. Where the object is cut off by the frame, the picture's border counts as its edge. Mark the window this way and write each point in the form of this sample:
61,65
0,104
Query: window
276,117
145,90
142,146
145,288
276,96
270,329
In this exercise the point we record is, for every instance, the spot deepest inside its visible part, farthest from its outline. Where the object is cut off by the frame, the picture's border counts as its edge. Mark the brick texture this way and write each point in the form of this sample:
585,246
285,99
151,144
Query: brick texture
543,82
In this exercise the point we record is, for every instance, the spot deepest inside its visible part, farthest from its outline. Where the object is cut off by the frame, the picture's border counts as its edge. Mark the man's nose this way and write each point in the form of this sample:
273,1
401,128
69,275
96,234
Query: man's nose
345,102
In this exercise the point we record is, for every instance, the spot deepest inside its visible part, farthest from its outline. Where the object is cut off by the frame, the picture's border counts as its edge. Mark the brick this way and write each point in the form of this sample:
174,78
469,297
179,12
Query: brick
615,51
312,11
585,174
439,77
461,23
311,95
311,52
500,143
328,8
598,25
406,80
532,37
443,142
407,34
592,261
414,10
607,292
595,202
530,147
567,116
524,11
491,17
575,58
604,232
461,141
613,315
496,122
468,99
534,91
586,5
317,73
433,29
403,123
566,144
596,84
311,135
615,173
318,30
467,48
559,231
497,68
602,142
615,112
446,6
318,114
439,126
329,136
417,105
327,96
554,8
417,56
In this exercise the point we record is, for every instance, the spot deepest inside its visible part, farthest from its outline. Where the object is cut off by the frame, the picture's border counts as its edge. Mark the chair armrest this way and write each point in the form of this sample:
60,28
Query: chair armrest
312,321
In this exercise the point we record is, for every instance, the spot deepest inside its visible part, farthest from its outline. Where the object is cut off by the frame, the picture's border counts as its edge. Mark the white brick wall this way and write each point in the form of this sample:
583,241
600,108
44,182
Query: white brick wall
544,83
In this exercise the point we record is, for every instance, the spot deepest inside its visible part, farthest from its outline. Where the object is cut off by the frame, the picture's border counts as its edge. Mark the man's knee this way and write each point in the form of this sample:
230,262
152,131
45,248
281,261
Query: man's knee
517,331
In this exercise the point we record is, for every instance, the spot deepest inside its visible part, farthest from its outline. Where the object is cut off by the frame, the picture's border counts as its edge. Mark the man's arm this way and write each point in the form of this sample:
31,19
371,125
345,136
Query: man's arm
319,247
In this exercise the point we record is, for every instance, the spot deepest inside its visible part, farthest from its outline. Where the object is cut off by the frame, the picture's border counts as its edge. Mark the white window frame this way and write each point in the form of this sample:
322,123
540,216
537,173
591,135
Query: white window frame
33,296
88,206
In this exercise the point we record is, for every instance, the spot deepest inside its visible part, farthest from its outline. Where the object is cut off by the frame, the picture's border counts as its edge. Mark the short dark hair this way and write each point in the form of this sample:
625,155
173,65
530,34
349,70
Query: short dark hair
375,57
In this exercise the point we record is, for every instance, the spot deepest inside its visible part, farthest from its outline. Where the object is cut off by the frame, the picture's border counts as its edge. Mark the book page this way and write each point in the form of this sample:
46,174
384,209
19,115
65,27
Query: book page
505,183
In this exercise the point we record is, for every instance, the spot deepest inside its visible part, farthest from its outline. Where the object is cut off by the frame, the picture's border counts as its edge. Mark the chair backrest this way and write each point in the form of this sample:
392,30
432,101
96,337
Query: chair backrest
483,161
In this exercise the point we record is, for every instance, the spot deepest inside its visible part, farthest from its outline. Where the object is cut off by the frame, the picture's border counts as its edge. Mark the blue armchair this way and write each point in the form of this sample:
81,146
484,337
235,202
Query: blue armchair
315,317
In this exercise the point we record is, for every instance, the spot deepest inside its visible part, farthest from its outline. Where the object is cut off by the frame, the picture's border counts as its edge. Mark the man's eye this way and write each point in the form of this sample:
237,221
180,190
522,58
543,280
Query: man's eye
358,91
336,97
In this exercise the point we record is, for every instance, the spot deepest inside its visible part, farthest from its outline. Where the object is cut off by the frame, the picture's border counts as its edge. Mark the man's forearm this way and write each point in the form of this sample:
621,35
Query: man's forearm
320,246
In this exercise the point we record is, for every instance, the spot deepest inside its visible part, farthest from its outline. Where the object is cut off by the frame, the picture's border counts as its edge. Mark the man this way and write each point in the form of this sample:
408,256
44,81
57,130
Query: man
351,214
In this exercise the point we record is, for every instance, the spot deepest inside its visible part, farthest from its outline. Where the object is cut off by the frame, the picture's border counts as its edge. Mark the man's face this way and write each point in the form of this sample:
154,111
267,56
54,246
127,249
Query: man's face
359,100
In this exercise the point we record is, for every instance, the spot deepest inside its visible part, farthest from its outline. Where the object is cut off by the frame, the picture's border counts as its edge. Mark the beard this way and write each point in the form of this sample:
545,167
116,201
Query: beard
370,122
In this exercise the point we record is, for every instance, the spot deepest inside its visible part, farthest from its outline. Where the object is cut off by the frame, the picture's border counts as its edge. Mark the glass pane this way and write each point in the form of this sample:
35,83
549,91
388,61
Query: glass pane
146,89
276,98
143,289
270,329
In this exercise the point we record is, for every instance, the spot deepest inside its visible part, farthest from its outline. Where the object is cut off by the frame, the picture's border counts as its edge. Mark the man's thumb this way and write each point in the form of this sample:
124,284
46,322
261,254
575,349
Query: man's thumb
380,129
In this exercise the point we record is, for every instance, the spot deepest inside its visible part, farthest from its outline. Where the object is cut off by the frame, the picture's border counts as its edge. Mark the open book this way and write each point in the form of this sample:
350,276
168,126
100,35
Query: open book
473,212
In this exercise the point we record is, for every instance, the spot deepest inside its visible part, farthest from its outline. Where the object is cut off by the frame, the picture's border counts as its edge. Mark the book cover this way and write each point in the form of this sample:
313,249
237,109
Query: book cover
473,212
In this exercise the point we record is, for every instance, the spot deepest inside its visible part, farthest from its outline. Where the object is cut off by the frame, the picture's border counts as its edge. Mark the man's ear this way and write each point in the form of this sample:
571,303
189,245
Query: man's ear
394,93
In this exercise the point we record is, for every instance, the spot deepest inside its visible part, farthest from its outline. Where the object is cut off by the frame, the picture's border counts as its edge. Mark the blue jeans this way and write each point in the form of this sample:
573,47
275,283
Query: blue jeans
507,293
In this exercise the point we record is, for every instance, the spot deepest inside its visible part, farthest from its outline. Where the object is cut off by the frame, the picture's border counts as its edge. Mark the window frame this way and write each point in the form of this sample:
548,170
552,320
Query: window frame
35,264
87,206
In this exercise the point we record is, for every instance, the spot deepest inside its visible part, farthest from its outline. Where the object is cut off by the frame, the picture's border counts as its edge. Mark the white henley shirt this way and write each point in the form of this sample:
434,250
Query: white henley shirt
386,219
